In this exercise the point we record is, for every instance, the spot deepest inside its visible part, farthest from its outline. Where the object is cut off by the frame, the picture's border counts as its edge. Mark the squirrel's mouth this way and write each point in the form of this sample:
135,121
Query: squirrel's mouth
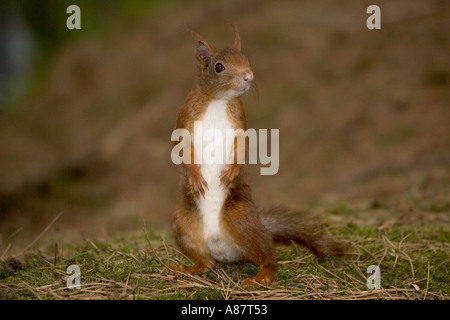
242,88
235,92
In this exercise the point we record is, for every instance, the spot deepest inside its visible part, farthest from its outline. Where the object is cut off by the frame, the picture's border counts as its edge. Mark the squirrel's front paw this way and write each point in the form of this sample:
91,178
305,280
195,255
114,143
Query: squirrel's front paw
229,173
196,180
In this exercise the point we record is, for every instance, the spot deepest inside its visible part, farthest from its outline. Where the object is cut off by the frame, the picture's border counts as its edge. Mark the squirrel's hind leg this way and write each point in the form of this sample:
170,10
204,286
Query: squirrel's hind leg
264,276
188,232
201,267
252,238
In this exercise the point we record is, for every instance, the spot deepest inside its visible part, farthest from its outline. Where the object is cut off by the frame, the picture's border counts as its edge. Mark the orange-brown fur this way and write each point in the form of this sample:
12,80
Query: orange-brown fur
250,231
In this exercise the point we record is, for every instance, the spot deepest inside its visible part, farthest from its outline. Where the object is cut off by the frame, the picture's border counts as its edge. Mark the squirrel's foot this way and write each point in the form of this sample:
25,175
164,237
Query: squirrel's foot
229,173
196,180
263,277
203,267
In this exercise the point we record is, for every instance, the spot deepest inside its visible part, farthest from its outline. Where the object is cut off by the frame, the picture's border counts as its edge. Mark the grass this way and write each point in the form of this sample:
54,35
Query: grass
364,116
413,263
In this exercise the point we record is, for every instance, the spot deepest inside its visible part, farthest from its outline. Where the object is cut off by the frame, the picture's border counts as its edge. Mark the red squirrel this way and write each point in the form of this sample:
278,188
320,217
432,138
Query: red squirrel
216,219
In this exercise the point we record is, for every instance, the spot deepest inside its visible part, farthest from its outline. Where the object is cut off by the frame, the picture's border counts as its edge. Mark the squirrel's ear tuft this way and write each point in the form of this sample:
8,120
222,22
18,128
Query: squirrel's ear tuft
237,37
203,50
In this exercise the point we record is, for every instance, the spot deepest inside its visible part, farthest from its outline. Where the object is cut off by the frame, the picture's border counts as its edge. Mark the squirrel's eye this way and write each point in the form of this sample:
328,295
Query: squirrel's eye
219,67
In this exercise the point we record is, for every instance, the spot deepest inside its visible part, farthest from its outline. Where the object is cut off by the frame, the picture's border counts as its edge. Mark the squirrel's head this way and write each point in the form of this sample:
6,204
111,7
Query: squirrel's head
223,73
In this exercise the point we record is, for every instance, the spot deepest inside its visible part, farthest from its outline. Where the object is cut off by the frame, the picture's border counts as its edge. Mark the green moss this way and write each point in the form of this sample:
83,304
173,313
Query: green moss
340,208
409,257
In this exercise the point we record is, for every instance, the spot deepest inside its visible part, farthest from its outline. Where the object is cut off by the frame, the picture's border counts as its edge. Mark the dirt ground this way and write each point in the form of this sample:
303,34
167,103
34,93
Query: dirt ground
363,117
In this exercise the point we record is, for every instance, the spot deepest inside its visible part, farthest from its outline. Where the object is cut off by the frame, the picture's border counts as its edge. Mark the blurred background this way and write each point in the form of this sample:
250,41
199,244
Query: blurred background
86,115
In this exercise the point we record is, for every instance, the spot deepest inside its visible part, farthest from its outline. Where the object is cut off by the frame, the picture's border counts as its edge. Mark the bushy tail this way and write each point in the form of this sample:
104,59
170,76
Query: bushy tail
287,226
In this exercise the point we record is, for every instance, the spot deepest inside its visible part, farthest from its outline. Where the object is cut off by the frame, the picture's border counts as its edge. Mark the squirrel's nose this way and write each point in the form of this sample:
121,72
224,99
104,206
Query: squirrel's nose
248,76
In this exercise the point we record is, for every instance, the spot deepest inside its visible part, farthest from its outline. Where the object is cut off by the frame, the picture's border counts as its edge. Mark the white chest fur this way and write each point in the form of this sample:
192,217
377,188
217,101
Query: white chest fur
213,145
